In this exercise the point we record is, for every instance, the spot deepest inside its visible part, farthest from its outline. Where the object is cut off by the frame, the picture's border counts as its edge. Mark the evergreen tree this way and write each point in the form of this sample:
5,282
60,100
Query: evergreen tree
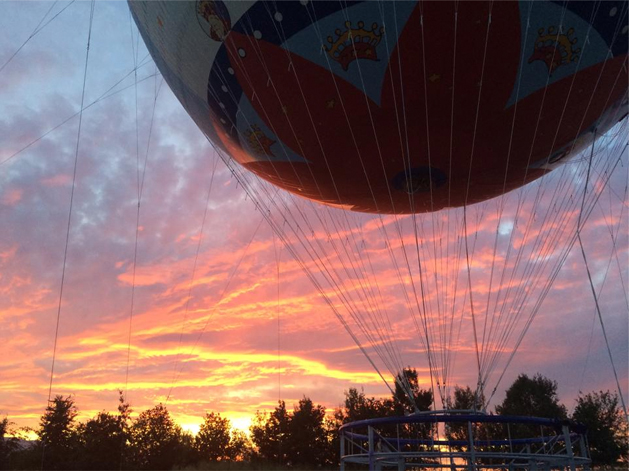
58,435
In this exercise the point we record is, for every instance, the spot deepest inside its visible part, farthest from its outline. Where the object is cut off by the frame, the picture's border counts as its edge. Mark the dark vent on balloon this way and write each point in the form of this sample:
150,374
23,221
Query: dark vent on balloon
419,179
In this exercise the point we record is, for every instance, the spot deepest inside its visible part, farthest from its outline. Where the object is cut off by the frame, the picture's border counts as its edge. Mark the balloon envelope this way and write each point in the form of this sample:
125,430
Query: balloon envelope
394,107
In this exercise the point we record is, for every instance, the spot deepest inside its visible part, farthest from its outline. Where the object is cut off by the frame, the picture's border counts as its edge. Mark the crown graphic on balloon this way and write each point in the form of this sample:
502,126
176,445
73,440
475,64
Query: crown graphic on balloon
554,48
354,43
259,143
216,22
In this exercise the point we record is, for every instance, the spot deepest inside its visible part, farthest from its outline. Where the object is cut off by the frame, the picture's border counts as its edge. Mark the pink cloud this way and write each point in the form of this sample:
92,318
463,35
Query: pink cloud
11,197
57,180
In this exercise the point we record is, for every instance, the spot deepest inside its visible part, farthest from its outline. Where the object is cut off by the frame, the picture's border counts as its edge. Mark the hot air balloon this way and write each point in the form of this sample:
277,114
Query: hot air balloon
394,107
438,118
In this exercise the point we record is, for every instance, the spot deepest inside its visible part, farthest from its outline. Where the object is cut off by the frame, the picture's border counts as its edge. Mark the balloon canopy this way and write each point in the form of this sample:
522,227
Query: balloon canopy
393,107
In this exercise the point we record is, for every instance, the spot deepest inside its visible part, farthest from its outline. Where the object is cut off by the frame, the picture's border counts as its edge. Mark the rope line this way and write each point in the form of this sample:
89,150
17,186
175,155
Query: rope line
69,224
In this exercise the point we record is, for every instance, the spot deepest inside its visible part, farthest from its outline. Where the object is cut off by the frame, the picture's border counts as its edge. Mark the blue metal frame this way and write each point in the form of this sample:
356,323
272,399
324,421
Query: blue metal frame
563,448
474,418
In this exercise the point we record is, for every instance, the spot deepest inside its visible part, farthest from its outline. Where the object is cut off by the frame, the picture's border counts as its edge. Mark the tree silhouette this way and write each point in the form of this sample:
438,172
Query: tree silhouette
463,399
58,435
100,442
154,440
408,397
185,452
308,441
303,437
357,406
533,397
606,427
240,446
102,439
8,443
269,434
213,438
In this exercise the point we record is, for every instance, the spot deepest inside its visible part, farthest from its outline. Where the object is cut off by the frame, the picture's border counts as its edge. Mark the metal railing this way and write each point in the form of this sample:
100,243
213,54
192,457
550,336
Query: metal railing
464,440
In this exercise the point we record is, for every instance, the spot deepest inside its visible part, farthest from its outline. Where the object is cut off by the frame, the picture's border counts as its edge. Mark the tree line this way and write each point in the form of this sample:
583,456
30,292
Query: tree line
304,437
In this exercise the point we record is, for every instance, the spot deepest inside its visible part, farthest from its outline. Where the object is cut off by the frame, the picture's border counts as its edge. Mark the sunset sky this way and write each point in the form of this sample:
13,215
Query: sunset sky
223,318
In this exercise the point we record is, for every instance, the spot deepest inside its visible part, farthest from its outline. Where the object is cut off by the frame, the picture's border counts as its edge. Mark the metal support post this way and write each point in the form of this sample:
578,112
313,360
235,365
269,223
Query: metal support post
372,458
566,435
583,451
470,436
342,451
